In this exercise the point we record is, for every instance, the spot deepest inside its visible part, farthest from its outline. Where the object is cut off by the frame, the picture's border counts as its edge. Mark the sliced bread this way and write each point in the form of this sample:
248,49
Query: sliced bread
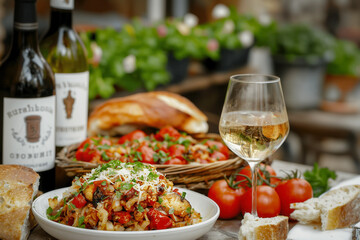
337,208
255,228
18,187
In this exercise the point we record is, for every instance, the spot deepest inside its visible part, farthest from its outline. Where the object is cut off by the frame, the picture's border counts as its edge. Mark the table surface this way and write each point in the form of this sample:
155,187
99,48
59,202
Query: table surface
225,229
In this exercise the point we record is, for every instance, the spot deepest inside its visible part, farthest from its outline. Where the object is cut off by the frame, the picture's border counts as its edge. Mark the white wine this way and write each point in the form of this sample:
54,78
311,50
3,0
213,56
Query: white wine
64,51
27,100
253,135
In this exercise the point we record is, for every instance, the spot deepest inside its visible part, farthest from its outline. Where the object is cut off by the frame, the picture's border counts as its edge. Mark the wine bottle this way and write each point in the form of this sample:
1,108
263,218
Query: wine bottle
27,100
65,52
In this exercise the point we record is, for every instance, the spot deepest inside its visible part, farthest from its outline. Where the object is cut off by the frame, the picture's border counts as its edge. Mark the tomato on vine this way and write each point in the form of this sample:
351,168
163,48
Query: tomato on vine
291,191
227,198
268,201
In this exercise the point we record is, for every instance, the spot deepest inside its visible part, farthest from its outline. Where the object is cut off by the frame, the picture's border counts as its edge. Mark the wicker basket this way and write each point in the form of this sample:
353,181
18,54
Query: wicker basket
192,176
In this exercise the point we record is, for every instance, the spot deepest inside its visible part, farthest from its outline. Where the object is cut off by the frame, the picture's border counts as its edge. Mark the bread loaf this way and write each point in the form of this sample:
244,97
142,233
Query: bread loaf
255,228
151,109
337,208
18,187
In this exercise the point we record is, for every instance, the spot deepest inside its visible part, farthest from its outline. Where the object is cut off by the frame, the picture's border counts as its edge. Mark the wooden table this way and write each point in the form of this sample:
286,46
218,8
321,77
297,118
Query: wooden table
225,229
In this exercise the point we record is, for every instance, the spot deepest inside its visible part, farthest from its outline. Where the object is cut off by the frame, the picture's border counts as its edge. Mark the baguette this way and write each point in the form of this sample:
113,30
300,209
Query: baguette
337,208
152,109
18,187
255,228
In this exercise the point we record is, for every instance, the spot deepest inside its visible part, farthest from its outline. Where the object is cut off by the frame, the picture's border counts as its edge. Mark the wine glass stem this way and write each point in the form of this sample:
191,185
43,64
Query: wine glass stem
253,166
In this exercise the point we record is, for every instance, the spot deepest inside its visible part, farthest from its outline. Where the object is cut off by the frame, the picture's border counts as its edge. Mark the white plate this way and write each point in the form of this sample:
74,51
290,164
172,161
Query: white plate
208,209
306,232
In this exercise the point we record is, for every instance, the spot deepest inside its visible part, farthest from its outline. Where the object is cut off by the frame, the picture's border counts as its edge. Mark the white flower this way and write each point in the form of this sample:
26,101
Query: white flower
264,19
246,38
191,20
129,64
220,11
229,27
97,53
183,29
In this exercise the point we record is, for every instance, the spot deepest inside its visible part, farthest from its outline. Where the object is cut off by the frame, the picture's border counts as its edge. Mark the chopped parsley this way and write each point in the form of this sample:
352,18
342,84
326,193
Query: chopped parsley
152,176
81,222
140,208
171,211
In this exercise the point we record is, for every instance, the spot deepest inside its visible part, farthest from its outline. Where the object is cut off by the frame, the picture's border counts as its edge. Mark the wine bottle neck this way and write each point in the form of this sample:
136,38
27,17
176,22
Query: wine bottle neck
25,25
25,39
60,18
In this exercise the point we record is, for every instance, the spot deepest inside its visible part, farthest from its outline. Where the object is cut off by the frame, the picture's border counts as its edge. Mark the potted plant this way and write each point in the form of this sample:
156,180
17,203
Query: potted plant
300,54
129,59
235,37
342,76
183,40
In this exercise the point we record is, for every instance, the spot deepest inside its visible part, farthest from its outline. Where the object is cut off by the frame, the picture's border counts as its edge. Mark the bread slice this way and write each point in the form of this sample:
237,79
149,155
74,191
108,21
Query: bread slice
18,187
337,208
255,228
152,109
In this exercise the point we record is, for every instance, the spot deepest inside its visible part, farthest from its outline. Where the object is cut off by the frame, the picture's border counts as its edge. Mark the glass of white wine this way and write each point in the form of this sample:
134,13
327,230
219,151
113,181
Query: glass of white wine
254,121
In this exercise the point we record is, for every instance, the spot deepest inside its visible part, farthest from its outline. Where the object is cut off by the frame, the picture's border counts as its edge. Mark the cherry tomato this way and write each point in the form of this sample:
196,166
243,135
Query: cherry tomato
167,131
147,154
176,161
122,217
158,220
268,201
177,151
218,146
79,201
86,155
292,191
228,199
219,156
137,134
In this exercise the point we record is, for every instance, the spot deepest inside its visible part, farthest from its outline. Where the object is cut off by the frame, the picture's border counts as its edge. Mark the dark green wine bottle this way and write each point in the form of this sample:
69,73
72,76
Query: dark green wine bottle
27,100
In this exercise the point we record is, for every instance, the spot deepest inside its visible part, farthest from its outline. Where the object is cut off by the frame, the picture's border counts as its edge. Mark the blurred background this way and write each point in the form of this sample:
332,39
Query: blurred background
192,47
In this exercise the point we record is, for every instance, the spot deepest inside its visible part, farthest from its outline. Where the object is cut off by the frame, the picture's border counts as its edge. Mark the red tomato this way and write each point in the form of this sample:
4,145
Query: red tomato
268,201
176,161
177,151
246,171
158,220
292,191
147,154
79,201
167,131
137,134
122,217
219,156
86,155
228,199
218,146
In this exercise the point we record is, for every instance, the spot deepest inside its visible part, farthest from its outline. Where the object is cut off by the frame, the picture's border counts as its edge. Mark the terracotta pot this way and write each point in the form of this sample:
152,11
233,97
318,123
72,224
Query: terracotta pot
336,91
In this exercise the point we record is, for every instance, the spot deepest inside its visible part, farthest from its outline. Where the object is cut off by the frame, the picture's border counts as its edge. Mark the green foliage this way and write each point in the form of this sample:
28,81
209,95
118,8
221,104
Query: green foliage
292,41
319,179
346,60
136,44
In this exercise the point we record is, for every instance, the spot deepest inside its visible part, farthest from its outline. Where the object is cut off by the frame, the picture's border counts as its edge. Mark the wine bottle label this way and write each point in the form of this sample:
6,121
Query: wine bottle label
72,90
62,4
29,132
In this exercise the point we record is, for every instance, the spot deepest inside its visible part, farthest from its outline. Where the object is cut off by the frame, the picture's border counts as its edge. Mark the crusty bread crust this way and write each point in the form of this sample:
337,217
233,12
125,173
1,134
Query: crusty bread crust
151,109
337,208
276,231
255,228
18,186
343,215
